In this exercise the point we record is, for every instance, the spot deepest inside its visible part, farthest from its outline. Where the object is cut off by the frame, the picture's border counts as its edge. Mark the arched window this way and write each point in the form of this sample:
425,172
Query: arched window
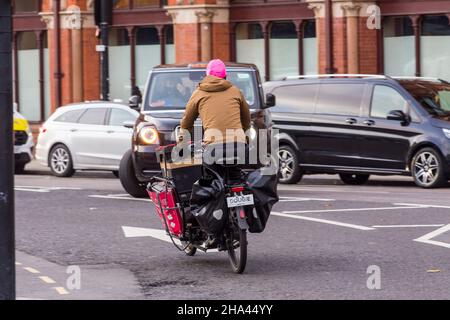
435,47
148,53
283,50
250,45
119,64
28,75
399,47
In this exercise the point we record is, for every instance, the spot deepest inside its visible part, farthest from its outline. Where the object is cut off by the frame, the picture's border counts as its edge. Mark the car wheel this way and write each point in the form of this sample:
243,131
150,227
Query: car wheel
290,172
19,168
60,161
128,178
427,169
354,179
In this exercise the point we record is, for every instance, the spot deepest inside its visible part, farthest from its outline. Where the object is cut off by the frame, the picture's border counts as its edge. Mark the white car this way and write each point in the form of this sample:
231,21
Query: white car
86,136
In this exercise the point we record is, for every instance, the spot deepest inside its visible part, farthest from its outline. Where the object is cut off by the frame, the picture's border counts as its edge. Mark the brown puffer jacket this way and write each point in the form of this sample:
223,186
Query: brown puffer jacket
221,106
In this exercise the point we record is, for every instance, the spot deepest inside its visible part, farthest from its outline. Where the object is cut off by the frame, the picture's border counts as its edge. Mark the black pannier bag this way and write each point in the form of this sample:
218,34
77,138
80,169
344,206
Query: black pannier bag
264,190
208,204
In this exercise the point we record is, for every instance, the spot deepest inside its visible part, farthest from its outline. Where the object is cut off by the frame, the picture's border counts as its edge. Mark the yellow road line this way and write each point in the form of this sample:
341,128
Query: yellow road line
47,279
61,290
32,270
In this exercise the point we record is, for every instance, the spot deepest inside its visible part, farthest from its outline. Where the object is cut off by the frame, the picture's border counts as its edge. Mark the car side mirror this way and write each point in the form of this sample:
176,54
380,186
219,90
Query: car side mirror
399,115
270,100
128,124
134,102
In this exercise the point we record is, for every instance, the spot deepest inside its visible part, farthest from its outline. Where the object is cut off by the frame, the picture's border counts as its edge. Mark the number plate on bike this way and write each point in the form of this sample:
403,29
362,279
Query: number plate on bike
240,201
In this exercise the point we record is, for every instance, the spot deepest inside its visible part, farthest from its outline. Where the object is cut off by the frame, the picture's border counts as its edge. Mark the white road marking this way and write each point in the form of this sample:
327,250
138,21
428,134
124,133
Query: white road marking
31,190
120,198
47,280
336,223
42,189
295,199
312,188
422,205
134,232
354,209
18,264
409,226
32,270
61,290
427,238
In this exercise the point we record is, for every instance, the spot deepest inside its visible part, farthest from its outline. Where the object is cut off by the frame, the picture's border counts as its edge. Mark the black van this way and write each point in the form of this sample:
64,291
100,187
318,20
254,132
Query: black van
358,125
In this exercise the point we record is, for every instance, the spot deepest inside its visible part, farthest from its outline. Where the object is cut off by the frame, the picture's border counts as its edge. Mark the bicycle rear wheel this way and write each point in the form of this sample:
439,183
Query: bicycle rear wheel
237,249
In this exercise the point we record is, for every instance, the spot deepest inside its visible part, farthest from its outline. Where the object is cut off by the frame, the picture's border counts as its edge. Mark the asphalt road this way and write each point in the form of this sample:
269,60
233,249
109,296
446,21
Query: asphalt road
83,238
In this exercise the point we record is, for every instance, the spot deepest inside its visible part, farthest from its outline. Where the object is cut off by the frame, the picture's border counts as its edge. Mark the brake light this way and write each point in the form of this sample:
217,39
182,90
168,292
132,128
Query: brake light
237,189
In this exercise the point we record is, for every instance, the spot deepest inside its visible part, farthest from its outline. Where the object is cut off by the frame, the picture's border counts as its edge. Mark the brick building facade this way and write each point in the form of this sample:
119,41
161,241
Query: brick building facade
56,63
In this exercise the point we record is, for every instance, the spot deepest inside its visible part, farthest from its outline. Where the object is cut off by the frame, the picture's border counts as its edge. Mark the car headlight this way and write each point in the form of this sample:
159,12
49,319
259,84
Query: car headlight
149,135
252,133
446,132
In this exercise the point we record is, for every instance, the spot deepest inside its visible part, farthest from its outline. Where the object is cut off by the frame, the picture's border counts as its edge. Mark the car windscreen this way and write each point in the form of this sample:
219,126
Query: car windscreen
173,89
434,97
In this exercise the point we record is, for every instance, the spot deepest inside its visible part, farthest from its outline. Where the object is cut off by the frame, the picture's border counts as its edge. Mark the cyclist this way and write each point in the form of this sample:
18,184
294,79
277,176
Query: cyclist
224,113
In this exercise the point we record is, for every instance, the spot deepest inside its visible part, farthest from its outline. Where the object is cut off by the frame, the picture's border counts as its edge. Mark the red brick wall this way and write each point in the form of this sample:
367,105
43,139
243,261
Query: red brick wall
340,44
368,52
66,67
221,41
187,42
91,66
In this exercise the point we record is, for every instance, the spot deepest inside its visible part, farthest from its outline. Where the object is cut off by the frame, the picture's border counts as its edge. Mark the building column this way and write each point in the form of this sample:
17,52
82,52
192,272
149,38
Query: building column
347,44
299,29
201,31
351,12
76,76
417,26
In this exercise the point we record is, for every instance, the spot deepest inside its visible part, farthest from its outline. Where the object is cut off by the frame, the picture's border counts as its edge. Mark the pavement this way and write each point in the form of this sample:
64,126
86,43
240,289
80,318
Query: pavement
84,238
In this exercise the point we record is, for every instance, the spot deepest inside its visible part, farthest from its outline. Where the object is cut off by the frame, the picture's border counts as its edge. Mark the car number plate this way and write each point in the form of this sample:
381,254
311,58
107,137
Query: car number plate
240,201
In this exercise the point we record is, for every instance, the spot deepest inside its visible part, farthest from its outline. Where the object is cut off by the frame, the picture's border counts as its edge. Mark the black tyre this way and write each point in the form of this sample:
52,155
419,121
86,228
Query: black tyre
60,161
427,169
290,172
237,248
354,179
19,168
128,178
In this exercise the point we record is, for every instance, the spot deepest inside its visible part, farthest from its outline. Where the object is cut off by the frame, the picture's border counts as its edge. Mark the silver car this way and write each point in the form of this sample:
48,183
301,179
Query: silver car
86,136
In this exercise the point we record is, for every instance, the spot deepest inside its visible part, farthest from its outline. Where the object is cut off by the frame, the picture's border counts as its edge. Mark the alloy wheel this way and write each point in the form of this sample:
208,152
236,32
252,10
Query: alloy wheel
286,164
426,168
60,160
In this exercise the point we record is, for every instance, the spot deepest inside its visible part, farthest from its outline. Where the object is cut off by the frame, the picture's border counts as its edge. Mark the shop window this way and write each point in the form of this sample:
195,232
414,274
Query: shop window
399,48
250,45
119,64
310,54
22,6
283,50
121,4
146,3
170,46
28,75
435,46
148,53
